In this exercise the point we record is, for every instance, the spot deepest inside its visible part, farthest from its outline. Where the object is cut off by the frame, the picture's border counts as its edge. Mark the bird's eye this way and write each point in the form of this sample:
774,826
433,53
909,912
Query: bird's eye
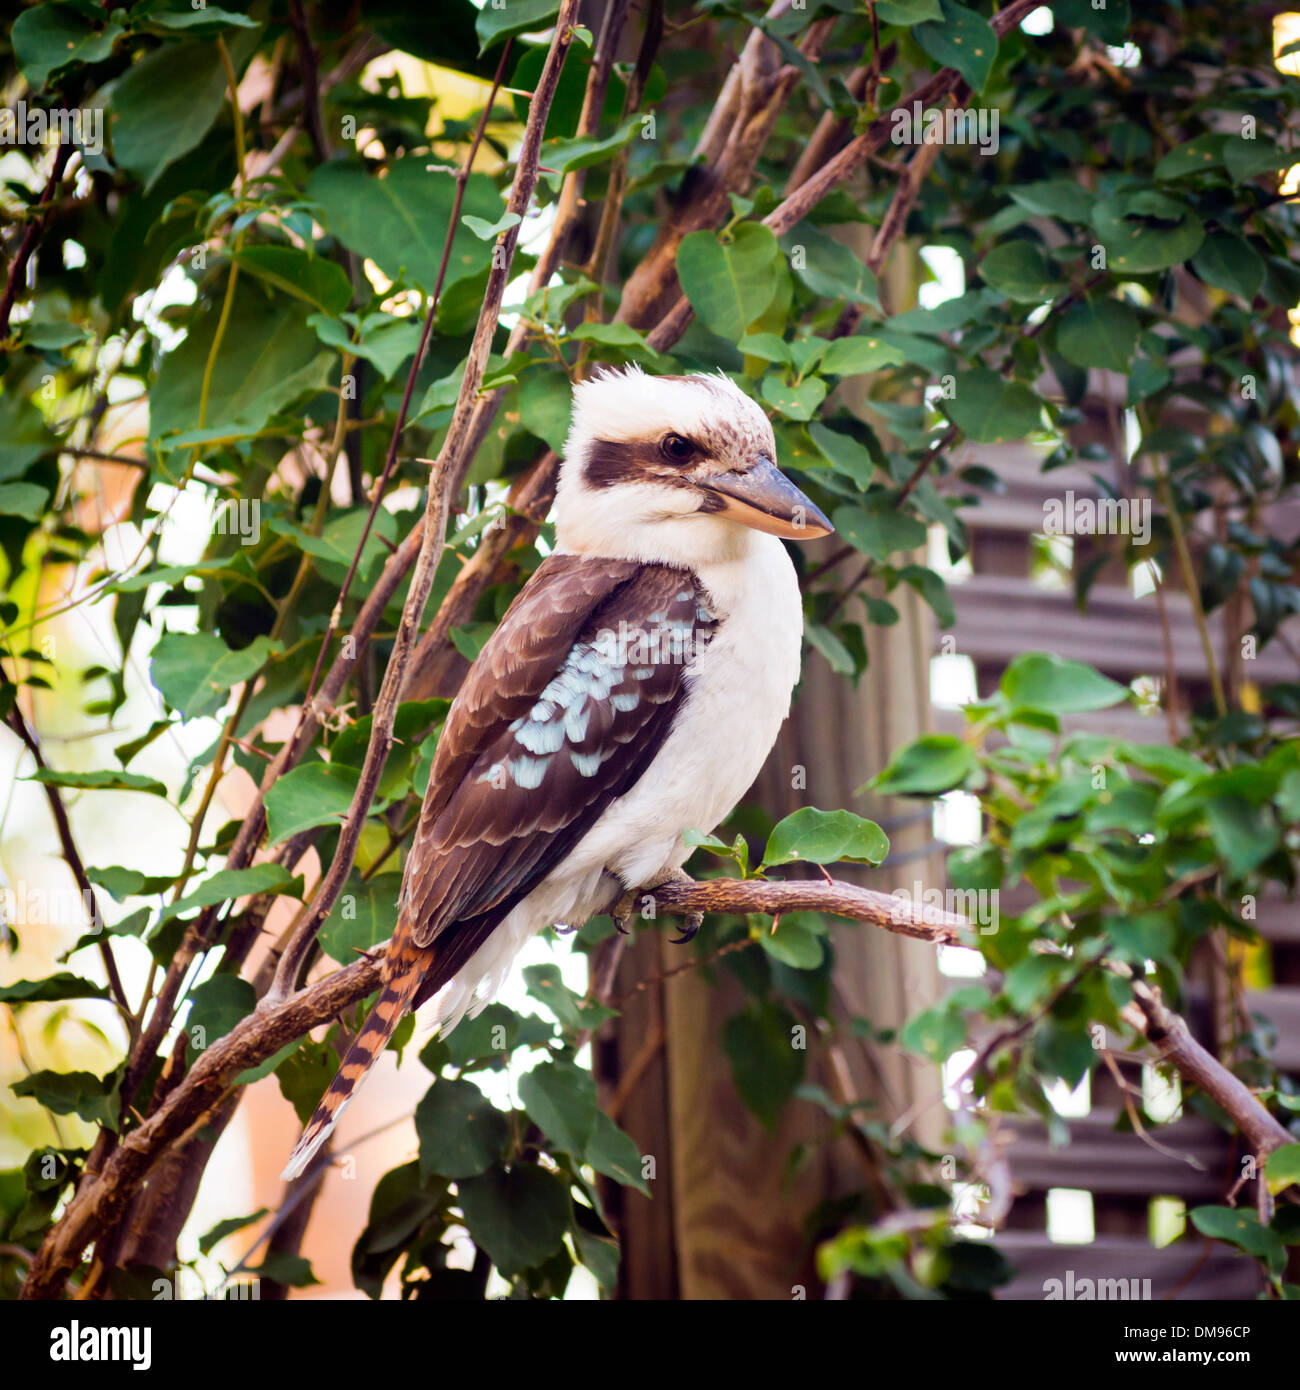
676,449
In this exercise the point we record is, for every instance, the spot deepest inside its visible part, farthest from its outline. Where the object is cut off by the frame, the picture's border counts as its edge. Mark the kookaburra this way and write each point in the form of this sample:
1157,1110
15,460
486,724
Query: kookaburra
631,693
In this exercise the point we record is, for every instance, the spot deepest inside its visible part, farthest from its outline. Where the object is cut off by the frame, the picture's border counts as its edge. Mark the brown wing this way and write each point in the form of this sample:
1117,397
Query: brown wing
562,712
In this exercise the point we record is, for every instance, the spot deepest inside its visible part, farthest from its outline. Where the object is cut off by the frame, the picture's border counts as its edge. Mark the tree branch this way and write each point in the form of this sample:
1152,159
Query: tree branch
103,1196
72,856
446,471
18,266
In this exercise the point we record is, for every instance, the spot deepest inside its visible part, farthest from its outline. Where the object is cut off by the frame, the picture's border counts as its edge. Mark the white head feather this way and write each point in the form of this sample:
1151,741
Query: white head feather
646,520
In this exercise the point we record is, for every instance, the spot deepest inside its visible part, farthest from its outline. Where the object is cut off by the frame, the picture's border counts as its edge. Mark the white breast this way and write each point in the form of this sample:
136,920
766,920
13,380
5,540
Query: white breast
739,692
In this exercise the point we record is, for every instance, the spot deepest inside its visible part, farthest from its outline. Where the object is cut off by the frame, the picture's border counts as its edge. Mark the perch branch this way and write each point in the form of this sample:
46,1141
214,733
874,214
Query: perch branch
102,1196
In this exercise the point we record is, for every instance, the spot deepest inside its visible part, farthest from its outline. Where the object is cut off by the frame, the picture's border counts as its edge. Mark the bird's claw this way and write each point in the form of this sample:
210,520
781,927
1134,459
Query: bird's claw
690,926
622,912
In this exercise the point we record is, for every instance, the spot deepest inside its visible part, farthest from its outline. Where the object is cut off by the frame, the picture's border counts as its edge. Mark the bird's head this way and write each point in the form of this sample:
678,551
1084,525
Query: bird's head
673,468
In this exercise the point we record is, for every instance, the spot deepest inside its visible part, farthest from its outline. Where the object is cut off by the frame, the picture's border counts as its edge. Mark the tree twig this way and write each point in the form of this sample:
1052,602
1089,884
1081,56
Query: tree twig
18,266
445,472
72,856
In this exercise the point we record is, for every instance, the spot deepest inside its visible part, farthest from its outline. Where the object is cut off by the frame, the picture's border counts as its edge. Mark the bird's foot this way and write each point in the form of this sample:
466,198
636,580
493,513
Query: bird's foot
622,912
692,921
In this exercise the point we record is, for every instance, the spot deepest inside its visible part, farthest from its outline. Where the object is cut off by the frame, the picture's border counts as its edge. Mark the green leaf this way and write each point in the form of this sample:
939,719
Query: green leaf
907,11
304,1076
340,539
48,38
766,1064
1145,231
322,283
1040,680
622,336
823,640
1230,263
91,1098
545,405
517,1215
99,781
385,340
495,24
195,671
795,402
24,435
613,1153
271,358
988,408
364,916
828,267
1021,270
167,102
227,884
400,221
1098,333
26,500
729,284
489,231
793,944
1282,1170
853,356
1244,835
201,19
128,883
963,40
933,590
560,1098
769,346
1060,198
286,1267
209,1242
216,1006
547,986
844,454
1242,1229
825,837
878,534
52,989
312,794
1247,159
565,155
461,1133
1192,157
933,1034
930,766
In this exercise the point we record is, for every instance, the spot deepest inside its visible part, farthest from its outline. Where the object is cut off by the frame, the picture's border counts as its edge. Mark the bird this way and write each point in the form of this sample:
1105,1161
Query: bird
631,693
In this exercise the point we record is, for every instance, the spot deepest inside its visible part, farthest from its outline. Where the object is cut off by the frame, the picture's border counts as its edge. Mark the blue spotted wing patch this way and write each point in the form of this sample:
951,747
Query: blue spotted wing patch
553,756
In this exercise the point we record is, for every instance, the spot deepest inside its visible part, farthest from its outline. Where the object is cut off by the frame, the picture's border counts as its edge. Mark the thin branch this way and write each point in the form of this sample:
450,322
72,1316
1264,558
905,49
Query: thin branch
73,858
446,470
18,266
310,81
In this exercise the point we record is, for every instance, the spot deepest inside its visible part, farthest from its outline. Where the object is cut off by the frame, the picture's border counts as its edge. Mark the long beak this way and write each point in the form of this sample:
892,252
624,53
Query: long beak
766,500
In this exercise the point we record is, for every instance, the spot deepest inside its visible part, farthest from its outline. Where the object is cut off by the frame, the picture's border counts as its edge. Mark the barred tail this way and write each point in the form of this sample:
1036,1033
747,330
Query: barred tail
392,1004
